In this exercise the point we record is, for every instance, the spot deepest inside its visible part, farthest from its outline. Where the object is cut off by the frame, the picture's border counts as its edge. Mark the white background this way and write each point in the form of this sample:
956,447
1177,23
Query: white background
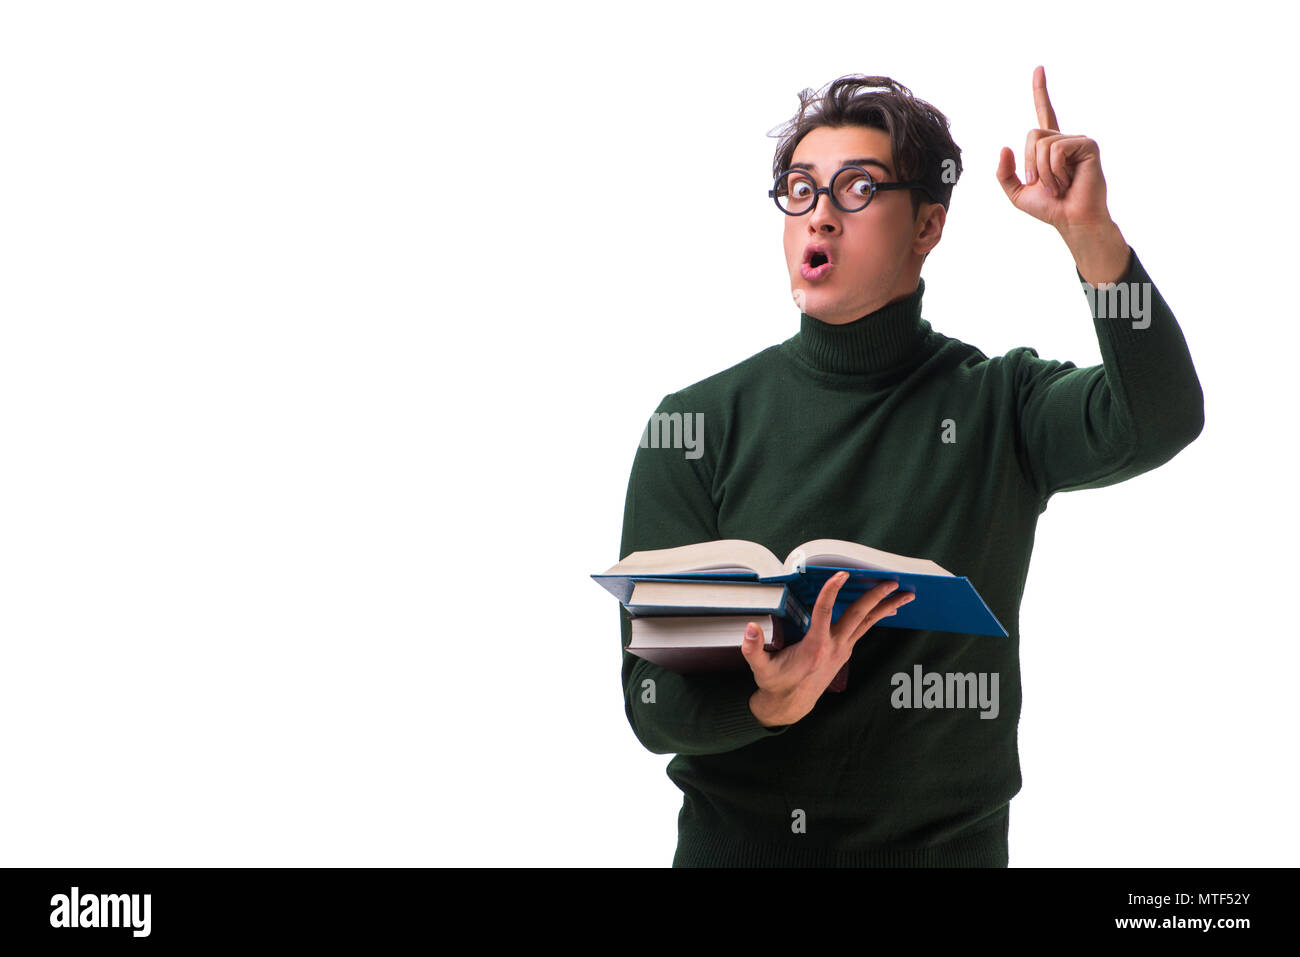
323,321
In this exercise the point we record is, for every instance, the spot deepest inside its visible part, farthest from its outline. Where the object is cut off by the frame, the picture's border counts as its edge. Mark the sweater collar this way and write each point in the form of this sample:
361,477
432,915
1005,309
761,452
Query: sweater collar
873,343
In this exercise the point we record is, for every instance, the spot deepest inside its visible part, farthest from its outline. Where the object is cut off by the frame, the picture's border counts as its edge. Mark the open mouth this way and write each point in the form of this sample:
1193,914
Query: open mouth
817,264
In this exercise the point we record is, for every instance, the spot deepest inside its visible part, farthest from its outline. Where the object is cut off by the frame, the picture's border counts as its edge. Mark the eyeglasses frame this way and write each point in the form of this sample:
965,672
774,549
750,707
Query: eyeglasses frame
819,190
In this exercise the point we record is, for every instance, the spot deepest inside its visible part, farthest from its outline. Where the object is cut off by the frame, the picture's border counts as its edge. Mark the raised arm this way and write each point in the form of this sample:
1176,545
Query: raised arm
1086,428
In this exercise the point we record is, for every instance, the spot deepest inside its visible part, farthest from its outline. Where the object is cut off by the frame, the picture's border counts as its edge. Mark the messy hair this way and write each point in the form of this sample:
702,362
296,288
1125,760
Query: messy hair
923,149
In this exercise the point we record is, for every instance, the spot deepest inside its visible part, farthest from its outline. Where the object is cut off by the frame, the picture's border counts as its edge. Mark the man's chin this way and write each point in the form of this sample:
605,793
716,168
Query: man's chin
816,301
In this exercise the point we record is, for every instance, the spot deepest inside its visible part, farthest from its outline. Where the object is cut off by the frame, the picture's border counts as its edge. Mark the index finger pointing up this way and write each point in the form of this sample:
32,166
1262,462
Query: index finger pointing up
1043,106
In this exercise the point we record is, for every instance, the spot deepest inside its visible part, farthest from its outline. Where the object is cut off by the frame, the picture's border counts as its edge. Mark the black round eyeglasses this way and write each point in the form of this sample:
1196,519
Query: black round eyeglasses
852,189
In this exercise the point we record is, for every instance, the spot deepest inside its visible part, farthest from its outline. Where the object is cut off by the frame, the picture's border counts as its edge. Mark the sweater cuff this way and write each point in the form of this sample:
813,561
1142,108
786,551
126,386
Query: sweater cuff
1131,312
734,719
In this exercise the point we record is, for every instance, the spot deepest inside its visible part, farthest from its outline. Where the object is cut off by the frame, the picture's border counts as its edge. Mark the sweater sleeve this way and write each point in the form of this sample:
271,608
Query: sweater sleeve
669,504
1097,426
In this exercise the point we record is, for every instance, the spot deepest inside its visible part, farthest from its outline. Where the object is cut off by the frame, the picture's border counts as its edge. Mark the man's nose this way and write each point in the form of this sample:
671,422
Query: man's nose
824,216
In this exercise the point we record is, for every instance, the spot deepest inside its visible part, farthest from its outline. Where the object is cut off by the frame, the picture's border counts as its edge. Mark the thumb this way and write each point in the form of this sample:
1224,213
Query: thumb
1006,173
752,645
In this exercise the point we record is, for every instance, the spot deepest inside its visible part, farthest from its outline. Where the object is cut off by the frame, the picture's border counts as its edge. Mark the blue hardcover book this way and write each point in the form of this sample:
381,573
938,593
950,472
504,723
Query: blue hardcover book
944,601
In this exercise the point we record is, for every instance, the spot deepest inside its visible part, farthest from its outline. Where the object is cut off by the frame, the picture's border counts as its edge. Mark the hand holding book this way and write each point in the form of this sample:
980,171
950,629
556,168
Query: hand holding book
791,681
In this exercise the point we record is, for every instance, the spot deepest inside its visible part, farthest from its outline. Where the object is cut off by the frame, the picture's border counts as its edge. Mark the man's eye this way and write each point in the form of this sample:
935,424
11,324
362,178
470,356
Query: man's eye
800,189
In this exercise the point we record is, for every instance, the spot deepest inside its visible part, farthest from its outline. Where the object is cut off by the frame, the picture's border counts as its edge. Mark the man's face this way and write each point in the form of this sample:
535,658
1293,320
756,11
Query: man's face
875,253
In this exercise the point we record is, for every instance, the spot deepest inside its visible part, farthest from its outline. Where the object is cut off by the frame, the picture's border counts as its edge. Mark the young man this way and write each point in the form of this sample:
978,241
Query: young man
868,425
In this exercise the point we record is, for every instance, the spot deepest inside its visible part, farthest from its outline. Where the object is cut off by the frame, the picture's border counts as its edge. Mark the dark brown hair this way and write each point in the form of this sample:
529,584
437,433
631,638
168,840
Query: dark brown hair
918,133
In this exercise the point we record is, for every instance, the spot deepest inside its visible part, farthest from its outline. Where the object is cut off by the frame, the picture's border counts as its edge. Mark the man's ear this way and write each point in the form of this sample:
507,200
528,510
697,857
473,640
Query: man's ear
929,227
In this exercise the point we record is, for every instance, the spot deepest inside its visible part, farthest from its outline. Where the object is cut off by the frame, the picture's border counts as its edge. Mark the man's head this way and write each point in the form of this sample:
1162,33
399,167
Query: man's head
877,252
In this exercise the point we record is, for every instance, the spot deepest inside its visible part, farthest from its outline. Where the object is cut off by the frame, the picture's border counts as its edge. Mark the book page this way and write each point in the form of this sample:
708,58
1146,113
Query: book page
834,551
703,594
723,555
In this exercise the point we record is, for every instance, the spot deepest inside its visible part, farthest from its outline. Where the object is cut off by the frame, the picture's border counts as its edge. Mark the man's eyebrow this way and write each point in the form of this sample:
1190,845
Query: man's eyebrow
860,161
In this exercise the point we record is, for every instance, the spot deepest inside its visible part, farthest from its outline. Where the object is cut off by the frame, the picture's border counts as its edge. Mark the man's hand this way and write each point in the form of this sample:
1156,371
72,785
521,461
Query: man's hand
1064,187
791,680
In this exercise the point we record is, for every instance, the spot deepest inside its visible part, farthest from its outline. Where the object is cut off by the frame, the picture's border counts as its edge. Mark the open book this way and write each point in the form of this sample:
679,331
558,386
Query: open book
944,601
738,555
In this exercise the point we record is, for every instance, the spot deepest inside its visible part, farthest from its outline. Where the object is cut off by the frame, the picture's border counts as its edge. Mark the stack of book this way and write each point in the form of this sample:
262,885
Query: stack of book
689,605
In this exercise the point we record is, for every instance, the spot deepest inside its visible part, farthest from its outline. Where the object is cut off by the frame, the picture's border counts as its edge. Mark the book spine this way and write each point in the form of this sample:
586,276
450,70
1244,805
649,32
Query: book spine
778,638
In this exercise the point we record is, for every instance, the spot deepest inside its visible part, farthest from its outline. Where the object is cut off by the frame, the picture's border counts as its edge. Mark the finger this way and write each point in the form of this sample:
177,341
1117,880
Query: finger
1046,171
857,612
821,616
1006,173
752,648
1042,103
1062,152
1031,155
885,609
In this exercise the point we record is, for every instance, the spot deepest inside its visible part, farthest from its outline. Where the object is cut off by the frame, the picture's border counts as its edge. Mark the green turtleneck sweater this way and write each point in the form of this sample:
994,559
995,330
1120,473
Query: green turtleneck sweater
886,432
